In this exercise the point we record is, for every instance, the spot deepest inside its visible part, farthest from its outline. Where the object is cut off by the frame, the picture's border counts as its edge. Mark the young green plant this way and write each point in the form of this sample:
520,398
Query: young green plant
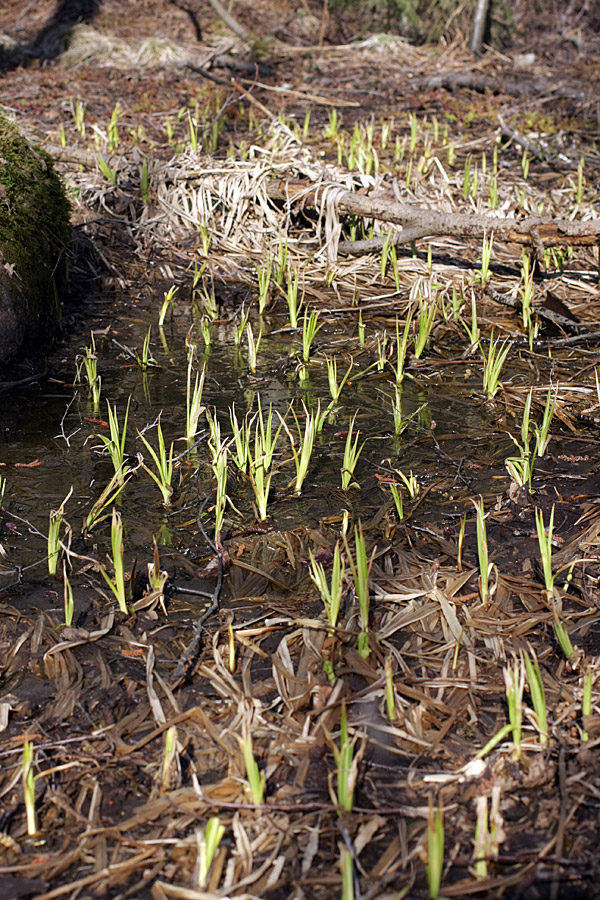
163,477
28,781
330,591
306,440
360,567
208,841
485,567
434,867
351,454
492,365
54,525
117,584
256,778
115,444
537,693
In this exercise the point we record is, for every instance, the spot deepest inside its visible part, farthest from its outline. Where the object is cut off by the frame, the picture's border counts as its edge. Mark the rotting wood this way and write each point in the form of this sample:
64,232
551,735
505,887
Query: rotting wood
419,223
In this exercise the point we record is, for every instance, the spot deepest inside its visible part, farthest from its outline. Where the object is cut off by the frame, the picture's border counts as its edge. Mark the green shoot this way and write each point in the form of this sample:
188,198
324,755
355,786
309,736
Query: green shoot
485,567
492,365
256,778
331,593
166,304
78,113
514,680
117,584
541,432
264,285
164,464
28,781
347,869
435,851
291,297
113,128
360,567
390,694
193,401
545,545
538,696
110,493
562,636
427,314
397,497
146,359
89,362
472,330
410,483
401,348
68,603
241,440
486,255
109,174
54,525
307,442
208,842
218,449
361,330
346,769
115,444
586,704
241,326
309,332
335,389
351,454
253,347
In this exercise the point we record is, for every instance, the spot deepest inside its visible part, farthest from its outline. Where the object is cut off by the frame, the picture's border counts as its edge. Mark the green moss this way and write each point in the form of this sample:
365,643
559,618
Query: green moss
34,221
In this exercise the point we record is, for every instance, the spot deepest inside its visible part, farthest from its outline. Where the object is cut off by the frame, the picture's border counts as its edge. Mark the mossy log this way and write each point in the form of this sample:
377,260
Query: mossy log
34,238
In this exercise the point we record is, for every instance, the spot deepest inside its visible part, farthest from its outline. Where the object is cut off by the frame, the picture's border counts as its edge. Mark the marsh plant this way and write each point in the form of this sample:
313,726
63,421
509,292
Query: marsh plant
256,778
586,701
163,477
117,583
241,440
253,347
360,567
351,454
54,526
492,365
167,304
291,296
115,444
310,327
264,275
261,459
485,566
306,442
537,694
434,867
99,510
218,451
427,314
28,781
207,842
193,400
552,597
346,765
335,387
145,359
514,680
68,602
401,349
520,468
330,590
542,431
486,256
88,362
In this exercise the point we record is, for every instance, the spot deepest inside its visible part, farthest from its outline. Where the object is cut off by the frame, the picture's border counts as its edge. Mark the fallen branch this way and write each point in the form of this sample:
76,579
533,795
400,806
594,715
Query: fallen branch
418,223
